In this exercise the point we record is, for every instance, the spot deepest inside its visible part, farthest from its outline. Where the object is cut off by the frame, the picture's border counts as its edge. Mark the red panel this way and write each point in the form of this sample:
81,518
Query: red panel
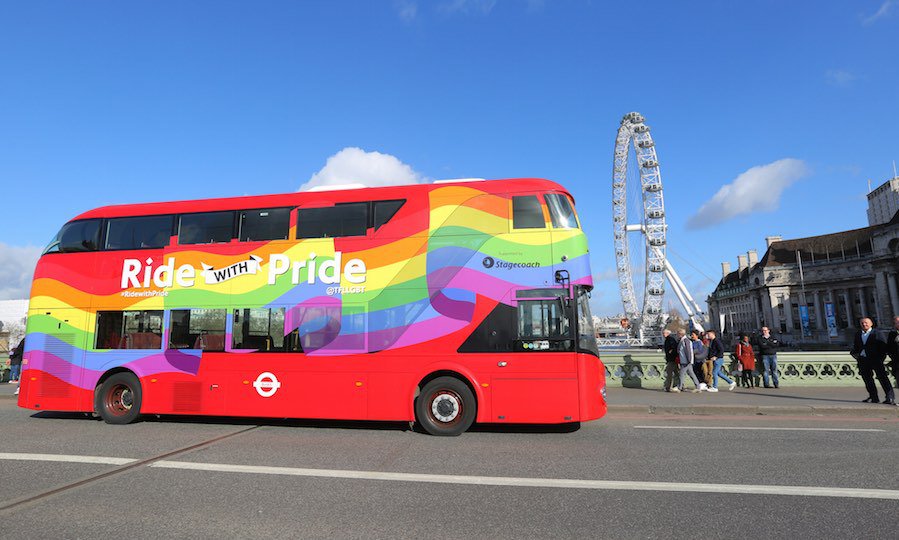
535,400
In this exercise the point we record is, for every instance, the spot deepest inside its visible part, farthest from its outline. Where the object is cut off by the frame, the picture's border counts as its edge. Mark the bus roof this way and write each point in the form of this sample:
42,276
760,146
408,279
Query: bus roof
510,185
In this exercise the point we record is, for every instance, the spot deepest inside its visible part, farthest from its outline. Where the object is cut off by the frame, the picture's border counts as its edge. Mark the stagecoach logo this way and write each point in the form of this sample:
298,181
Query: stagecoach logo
213,275
266,384
488,262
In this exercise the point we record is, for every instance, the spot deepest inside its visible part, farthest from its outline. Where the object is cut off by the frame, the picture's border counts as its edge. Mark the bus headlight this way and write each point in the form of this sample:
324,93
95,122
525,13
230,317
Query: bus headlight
603,392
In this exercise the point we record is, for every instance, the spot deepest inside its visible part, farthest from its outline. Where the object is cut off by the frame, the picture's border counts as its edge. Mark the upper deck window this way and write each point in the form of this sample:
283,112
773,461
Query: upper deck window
207,228
350,219
561,211
265,224
385,210
138,232
527,213
76,236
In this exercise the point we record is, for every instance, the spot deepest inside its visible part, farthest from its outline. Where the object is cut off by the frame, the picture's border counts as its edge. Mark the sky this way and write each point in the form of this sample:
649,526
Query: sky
769,117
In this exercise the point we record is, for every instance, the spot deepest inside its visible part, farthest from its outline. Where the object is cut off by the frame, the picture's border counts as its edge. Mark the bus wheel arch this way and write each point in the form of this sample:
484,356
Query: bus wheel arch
446,403
118,396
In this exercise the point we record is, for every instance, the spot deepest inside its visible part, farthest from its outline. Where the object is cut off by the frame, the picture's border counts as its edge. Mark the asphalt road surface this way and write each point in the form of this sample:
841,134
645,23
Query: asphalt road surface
649,476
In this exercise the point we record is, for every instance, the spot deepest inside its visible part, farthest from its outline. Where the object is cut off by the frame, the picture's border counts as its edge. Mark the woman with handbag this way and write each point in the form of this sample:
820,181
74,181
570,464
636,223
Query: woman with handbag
746,358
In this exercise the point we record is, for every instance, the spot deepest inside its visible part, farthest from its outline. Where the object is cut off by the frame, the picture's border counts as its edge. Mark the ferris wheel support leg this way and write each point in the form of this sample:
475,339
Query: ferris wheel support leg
683,288
693,311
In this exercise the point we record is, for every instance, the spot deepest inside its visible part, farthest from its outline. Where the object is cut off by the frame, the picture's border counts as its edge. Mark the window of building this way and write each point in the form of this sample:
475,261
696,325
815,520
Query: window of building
128,330
265,224
527,212
384,211
198,329
208,228
76,236
560,211
138,232
334,221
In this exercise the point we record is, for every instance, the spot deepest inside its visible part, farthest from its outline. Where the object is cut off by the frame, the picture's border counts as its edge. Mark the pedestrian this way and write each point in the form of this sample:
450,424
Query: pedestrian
768,346
893,349
15,361
716,356
671,367
700,355
685,359
746,357
870,349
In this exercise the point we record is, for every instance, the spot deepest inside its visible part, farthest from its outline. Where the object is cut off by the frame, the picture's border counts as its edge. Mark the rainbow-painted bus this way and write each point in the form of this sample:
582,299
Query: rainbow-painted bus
444,304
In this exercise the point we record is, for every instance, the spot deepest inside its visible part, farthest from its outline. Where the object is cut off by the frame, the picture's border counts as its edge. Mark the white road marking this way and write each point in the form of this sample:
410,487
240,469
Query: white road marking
802,491
754,428
101,460
563,483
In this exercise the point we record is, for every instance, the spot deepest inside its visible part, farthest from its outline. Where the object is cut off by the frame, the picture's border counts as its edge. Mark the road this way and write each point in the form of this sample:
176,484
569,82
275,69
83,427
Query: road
621,477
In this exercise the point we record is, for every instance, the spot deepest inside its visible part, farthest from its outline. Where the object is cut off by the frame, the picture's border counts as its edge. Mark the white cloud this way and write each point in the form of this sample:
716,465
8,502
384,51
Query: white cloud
882,12
406,9
16,270
756,190
356,166
839,77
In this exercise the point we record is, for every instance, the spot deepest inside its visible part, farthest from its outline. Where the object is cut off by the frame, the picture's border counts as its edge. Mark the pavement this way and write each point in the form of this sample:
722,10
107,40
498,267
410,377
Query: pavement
784,401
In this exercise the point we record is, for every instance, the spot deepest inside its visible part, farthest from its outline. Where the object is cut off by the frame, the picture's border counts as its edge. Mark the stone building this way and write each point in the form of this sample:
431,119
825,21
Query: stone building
812,291
883,202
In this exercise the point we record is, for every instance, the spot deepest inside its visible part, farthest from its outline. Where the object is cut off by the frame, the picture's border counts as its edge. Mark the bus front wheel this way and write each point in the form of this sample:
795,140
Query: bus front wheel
118,399
445,406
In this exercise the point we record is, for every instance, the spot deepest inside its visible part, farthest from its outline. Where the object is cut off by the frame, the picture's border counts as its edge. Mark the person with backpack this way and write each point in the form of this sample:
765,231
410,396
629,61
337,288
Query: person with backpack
685,359
716,355
700,355
670,347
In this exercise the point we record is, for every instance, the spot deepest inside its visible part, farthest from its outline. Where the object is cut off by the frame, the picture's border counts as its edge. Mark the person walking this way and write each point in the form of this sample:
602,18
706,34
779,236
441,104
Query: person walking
768,346
15,362
746,357
685,359
670,348
716,356
893,349
870,349
700,355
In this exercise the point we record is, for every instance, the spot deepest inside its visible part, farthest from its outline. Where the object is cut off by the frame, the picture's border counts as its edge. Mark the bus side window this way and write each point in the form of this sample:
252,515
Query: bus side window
527,212
128,330
198,329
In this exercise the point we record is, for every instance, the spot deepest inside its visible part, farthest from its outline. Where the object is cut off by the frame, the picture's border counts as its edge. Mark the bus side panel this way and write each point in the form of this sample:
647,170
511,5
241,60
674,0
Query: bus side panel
592,379
54,357
537,387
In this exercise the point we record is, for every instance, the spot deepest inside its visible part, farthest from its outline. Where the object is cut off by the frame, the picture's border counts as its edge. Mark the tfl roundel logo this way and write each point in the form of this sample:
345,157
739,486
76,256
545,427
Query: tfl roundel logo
266,384
488,262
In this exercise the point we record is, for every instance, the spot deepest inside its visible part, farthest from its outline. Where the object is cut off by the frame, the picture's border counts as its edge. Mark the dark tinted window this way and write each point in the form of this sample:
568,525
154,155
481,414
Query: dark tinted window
561,212
384,210
527,213
138,232
266,224
198,329
76,236
339,220
129,330
262,329
206,228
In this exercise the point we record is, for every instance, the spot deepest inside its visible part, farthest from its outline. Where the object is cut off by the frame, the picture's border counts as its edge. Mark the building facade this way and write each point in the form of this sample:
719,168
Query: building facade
883,202
811,292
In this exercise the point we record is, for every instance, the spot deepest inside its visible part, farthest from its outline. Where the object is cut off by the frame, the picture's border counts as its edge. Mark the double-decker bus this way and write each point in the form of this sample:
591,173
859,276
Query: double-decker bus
444,304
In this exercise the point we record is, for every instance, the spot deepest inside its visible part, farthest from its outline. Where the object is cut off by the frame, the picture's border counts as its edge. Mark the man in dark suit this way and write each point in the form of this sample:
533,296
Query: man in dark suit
870,349
893,348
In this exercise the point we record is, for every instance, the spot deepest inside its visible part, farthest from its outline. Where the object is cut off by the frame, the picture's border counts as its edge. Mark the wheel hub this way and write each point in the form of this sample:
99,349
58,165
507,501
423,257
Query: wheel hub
445,407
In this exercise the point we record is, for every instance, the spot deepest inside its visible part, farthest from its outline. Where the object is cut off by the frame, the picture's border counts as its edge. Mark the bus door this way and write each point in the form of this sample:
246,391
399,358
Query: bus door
54,352
537,382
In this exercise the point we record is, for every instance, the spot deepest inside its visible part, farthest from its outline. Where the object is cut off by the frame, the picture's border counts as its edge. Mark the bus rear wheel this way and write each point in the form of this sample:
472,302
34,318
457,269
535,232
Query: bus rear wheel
445,407
118,399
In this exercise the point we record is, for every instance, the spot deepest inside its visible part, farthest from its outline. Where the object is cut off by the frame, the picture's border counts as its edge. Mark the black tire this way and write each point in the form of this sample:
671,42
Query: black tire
446,407
118,399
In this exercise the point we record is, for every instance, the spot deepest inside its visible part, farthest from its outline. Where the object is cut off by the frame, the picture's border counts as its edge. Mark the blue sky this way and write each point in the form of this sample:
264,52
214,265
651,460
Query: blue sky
119,102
